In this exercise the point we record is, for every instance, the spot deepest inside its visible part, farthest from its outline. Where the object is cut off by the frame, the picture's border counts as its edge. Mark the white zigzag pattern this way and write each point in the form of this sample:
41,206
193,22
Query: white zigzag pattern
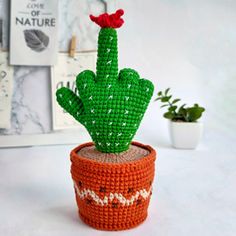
87,192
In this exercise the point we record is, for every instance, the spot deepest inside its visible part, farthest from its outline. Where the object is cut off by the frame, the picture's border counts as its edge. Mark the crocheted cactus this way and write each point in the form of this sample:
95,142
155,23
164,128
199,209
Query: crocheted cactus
110,105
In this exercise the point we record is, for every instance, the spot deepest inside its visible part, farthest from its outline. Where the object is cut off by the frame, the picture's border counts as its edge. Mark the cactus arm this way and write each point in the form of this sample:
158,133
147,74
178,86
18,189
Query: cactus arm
71,103
128,75
85,83
107,61
138,93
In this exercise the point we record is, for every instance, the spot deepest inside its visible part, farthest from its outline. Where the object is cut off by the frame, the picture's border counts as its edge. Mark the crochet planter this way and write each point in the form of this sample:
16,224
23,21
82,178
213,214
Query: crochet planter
113,191
112,177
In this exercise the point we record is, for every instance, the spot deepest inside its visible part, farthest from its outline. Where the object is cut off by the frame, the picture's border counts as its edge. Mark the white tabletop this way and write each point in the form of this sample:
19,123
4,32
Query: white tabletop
194,192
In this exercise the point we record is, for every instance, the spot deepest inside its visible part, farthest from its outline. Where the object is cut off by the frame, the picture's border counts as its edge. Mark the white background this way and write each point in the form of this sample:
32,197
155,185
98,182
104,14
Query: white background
189,46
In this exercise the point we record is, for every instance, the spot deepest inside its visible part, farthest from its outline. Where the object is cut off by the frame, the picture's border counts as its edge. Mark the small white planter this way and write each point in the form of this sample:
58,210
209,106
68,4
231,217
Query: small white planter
185,135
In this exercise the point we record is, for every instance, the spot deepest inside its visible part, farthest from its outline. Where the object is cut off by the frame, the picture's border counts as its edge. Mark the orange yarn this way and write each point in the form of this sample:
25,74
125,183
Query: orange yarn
113,196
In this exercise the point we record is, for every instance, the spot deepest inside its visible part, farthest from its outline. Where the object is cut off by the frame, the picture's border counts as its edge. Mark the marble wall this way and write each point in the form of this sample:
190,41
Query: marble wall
31,102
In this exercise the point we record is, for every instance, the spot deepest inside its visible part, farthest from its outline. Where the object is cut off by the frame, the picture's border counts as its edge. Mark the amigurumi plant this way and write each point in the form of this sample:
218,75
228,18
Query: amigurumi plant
111,103
112,176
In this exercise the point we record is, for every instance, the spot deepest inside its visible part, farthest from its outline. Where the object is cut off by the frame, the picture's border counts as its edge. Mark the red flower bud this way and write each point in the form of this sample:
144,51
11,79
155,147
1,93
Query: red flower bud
109,21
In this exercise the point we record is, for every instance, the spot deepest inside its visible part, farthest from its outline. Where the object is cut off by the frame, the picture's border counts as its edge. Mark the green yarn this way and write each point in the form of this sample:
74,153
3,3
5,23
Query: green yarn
110,105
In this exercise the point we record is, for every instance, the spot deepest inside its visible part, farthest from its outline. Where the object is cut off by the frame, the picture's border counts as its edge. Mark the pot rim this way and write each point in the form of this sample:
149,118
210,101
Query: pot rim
74,157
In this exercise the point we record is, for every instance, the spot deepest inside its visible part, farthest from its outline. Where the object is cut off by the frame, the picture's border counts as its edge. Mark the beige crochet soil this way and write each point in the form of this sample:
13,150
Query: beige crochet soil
134,153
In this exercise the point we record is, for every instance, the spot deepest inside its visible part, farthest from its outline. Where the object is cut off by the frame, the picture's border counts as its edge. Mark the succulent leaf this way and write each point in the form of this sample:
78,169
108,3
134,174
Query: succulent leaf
183,113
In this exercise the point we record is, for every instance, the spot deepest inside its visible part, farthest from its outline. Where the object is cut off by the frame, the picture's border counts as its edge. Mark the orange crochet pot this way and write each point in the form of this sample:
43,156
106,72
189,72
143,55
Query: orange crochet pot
113,196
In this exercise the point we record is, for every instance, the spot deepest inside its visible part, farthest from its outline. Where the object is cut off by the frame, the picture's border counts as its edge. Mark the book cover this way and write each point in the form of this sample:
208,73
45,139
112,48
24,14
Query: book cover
33,32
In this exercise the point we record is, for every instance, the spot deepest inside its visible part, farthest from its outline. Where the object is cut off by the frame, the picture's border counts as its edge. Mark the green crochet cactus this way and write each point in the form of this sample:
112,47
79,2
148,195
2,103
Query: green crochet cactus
110,105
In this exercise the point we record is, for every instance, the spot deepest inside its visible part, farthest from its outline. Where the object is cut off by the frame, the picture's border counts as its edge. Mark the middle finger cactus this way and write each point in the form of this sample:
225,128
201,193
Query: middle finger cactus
110,104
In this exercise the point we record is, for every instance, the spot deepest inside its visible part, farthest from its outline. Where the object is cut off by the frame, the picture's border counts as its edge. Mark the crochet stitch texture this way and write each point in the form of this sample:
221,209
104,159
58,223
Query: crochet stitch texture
111,104
113,196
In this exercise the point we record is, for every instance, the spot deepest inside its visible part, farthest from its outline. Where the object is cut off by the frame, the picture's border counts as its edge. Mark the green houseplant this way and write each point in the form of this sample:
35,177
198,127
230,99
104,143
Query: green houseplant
185,129
112,176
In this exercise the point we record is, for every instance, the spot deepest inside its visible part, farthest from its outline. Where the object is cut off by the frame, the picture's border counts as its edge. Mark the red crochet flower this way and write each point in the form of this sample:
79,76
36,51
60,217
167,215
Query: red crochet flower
109,21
